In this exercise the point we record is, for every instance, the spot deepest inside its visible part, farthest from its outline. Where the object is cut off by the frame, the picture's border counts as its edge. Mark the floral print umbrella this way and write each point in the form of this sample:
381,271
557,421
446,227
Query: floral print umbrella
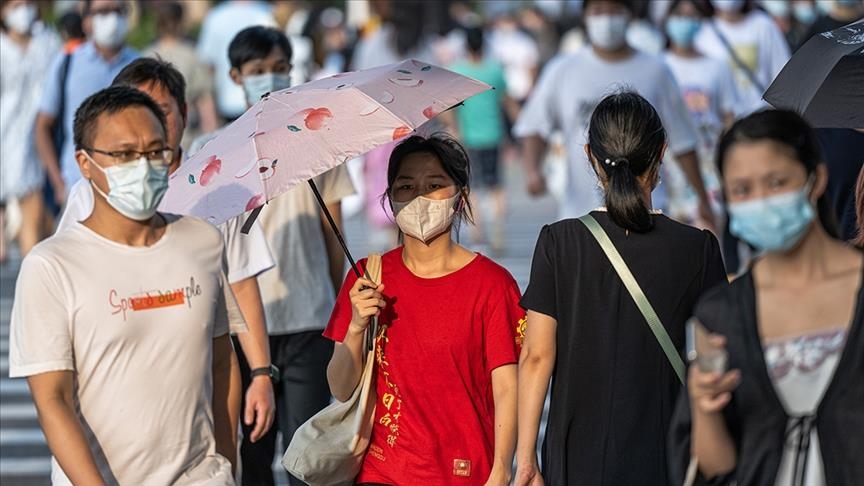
293,135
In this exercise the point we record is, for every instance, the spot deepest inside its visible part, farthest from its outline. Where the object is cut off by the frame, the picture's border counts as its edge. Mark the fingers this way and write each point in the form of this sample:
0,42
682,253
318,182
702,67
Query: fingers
261,425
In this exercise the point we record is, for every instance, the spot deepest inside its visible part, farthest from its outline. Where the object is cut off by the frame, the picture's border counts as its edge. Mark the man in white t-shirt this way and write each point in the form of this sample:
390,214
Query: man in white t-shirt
299,295
571,86
121,323
247,255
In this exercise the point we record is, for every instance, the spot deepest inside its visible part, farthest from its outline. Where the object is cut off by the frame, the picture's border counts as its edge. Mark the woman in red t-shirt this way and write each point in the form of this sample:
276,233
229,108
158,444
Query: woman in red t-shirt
446,366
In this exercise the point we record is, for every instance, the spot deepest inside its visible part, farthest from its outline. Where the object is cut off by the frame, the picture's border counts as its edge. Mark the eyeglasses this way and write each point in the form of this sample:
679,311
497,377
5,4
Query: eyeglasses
160,156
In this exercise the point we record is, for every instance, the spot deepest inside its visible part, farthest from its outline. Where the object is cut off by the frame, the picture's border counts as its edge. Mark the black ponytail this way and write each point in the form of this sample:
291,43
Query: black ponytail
626,138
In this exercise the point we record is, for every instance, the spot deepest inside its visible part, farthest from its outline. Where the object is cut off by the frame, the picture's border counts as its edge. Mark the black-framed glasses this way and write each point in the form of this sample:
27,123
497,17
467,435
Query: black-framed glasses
160,156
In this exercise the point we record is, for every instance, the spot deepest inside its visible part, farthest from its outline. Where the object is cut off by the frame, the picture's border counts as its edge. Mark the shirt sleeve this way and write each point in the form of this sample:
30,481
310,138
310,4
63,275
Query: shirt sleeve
40,336
340,318
79,205
714,271
335,184
50,103
247,255
503,325
540,296
228,317
673,112
539,116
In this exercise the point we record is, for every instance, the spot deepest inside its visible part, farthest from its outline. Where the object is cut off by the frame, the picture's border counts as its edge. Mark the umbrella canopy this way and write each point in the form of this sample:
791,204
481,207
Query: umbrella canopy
293,135
824,80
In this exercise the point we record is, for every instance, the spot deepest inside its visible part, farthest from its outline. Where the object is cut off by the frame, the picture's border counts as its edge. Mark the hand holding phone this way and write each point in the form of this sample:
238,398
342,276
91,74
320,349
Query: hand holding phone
703,350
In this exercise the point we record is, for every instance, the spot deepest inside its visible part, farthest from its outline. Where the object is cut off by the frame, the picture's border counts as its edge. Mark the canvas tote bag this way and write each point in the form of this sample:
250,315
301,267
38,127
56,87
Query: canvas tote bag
328,449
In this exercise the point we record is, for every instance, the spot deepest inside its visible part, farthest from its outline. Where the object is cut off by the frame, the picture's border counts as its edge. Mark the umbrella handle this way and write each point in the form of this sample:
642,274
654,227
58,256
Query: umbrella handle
339,237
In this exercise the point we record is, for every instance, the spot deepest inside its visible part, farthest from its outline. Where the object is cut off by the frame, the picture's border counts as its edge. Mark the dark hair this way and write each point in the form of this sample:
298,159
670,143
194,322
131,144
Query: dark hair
790,130
109,101
474,39
626,138
70,25
454,160
704,7
147,70
629,4
256,43
169,14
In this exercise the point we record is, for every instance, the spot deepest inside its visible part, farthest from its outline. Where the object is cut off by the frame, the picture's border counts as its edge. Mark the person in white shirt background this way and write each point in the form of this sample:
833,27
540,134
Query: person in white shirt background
121,323
749,40
220,26
247,255
711,97
26,50
570,87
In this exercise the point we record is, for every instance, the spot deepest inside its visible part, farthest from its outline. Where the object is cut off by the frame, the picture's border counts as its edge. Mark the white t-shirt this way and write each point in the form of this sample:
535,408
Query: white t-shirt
758,43
565,96
136,326
220,26
519,55
298,296
247,255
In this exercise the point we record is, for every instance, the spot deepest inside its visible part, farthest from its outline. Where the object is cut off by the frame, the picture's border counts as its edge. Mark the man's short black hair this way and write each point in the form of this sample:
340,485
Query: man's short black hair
474,39
109,101
628,4
147,70
256,43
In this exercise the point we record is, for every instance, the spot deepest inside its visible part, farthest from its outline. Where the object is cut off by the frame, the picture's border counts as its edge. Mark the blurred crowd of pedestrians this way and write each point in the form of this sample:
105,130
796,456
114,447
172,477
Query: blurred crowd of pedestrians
643,115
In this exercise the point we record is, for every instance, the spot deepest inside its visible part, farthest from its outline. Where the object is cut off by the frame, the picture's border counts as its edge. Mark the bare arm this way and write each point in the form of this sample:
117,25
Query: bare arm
535,369
335,255
53,394
226,398
533,149
207,113
689,163
346,364
504,395
260,402
47,152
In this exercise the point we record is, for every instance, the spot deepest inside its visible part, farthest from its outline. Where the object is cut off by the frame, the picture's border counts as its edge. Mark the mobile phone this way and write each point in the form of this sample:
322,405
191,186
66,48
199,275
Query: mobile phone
700,351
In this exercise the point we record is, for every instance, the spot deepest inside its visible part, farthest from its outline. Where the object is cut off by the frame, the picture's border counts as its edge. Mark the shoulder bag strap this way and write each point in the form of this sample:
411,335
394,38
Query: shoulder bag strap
636,292
737,60
373,273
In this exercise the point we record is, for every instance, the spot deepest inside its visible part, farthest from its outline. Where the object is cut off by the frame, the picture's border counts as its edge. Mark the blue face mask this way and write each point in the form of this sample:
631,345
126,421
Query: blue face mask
804,13
775,223
682,30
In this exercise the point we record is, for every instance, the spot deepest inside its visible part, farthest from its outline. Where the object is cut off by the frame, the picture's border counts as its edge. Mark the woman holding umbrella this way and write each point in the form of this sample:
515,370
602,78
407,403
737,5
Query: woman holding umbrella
788,410
447,358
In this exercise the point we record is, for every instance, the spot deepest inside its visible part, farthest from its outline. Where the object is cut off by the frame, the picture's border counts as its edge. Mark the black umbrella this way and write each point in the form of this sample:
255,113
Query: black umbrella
824,80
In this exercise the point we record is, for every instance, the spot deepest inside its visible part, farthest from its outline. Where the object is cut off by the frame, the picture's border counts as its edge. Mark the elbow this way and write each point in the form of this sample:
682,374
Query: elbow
716,469
531,361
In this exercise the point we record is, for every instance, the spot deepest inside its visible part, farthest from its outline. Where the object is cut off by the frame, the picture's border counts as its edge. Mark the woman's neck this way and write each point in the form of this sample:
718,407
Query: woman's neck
731,17
804,264
18,38
439,257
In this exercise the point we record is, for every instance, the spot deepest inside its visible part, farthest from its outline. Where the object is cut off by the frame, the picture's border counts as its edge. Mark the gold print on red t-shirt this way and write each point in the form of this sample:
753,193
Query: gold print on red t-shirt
391,401
521,326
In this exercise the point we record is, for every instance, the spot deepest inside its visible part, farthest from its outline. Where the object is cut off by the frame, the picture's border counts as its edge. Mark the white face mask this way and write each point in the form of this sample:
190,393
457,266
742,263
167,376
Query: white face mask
110,29
256,86
20,19
608,32
425,218
135,188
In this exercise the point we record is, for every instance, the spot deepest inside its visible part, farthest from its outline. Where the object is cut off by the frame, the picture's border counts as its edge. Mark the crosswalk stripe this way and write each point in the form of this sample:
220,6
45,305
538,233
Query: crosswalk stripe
18,411
20,437
26,466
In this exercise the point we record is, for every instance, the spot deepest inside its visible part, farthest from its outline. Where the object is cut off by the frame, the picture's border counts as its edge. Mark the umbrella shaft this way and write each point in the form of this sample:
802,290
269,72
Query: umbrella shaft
333,225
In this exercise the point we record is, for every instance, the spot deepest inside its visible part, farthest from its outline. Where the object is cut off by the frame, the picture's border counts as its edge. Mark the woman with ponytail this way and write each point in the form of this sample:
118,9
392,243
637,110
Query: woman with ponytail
613,388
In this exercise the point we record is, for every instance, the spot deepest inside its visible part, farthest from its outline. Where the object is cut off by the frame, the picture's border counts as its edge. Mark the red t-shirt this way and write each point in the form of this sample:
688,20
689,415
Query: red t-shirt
434,418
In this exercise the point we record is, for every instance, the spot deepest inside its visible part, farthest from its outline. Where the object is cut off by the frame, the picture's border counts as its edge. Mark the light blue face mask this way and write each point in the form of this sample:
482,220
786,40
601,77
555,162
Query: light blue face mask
682,30
135,188
775,223
260,84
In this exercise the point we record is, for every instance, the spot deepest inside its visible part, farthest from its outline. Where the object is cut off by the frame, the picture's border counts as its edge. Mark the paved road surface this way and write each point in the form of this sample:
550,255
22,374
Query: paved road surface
24,457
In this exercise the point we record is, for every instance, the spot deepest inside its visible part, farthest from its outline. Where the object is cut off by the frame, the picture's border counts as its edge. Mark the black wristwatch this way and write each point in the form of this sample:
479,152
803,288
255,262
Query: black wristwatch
272,371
